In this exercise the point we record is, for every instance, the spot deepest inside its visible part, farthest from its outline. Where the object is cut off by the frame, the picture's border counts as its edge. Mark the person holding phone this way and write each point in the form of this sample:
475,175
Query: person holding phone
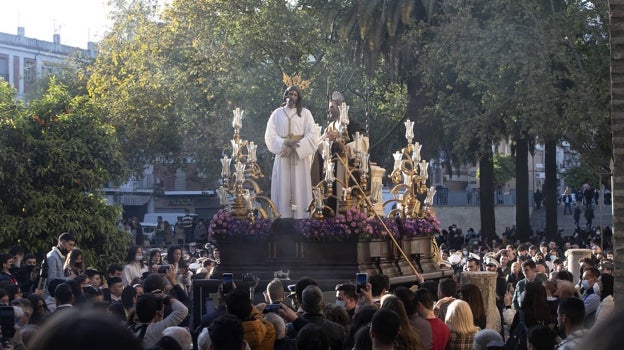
259,333
150,314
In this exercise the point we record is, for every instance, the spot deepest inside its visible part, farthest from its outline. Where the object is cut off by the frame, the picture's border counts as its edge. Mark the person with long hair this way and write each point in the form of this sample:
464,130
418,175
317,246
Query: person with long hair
471,294
40,309
175,256
408,339
533,305
605,309
74,264
155,260
291,135
460,321
135,267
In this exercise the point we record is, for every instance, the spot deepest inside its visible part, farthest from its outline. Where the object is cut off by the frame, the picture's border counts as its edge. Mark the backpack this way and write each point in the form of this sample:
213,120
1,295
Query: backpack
518,339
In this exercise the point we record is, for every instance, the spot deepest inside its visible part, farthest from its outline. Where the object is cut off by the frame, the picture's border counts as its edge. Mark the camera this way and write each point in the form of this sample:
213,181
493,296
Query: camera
360,281
228,282
7,322
163,268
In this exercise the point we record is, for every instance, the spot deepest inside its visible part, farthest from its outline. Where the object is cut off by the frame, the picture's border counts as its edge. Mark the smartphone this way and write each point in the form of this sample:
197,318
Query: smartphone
163,268
7,322
360,281
274,308
228,282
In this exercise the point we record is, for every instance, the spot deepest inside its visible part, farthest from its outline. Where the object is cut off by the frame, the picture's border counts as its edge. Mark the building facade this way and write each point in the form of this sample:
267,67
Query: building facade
23,60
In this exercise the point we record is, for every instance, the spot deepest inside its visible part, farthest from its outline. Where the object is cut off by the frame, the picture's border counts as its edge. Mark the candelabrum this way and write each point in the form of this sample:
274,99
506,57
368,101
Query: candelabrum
410,175
240,186
345,170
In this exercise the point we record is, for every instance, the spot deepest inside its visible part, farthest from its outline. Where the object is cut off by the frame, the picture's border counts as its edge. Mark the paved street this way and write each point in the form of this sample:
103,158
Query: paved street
566,222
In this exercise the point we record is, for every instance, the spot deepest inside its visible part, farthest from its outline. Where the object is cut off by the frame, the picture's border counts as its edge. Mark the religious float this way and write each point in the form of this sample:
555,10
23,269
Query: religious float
352,235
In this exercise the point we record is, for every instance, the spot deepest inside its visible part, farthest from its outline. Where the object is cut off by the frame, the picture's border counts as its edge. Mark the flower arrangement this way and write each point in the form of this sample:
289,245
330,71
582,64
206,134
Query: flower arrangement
379,230
428,224
318,230
354,223
351,225
225,226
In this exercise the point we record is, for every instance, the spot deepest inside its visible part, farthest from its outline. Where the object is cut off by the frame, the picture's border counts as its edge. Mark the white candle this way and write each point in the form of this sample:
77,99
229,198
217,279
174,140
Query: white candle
240,172
326,153
416,153
225,166
409,130
344,116
329,172
237,122
248,201
423,169
252,152
357,142
235,146
430,193
397,160
364,162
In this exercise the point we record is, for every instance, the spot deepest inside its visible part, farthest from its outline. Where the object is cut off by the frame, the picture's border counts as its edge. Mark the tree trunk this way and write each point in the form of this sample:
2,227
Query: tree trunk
550,188
522,189
486,193
617,121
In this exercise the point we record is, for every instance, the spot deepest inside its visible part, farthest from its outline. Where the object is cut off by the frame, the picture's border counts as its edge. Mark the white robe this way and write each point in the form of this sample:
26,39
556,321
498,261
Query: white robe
290,179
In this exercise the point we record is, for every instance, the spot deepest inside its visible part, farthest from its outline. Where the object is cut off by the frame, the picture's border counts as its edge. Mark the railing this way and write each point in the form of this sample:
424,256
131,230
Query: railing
456,198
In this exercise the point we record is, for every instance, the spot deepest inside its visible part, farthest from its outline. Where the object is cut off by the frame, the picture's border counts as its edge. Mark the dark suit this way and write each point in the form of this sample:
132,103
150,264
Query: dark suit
335,332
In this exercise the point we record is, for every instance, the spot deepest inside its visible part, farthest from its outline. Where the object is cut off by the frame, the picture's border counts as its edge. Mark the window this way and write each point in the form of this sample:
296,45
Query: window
4,68
29,71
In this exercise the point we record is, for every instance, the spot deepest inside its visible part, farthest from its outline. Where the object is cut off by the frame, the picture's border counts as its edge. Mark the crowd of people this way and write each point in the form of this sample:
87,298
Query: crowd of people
144,303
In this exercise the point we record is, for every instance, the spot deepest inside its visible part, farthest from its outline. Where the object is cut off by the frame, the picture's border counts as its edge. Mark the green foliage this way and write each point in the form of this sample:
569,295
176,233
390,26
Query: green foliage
504,169
169,80
54,158
575,177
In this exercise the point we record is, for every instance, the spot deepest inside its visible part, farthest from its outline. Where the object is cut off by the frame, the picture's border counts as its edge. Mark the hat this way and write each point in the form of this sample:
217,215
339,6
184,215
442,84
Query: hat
491,262
484,337
474,256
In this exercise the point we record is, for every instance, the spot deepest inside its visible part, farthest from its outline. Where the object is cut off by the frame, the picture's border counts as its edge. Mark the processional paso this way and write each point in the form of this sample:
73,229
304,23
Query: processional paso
349,180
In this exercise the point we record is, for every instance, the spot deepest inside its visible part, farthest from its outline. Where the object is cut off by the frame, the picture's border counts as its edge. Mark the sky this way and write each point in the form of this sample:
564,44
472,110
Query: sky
77,21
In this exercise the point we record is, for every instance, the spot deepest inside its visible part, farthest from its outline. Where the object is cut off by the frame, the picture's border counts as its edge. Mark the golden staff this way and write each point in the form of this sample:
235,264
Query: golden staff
370,204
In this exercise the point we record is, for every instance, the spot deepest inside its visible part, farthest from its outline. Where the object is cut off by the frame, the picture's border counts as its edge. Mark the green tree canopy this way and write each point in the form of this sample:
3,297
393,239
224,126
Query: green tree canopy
56,155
